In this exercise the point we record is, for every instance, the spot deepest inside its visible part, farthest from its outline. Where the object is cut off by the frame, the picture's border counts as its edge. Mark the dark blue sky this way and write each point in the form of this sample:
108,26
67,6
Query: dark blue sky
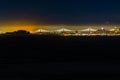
61,11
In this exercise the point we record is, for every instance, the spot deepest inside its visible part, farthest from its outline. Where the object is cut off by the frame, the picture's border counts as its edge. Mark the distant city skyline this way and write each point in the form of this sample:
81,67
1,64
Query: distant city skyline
31,28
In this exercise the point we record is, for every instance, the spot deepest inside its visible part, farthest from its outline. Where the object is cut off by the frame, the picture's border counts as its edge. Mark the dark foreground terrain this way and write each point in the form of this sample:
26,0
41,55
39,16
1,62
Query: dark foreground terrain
55,57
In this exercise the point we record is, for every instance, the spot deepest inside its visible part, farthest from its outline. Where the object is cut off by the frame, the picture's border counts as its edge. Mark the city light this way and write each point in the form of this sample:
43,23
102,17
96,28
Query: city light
66,30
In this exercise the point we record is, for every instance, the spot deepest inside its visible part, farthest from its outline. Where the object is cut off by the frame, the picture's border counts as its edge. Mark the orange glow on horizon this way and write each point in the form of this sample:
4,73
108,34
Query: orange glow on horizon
15,28
31,28
10,26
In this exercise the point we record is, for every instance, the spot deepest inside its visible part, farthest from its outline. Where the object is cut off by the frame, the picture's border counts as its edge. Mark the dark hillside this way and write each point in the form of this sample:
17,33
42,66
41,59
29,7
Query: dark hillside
57,57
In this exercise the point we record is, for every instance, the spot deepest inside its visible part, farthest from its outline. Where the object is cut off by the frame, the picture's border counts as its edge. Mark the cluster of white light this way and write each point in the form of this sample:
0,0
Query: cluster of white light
69,30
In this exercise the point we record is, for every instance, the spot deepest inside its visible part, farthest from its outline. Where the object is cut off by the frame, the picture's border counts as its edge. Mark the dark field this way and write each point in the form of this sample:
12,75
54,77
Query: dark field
55,57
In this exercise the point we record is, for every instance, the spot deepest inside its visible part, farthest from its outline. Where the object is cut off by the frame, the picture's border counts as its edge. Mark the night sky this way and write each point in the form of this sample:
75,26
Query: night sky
61,11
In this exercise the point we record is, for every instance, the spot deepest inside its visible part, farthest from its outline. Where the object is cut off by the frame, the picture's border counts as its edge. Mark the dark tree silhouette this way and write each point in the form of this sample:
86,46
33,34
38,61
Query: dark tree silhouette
19,32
